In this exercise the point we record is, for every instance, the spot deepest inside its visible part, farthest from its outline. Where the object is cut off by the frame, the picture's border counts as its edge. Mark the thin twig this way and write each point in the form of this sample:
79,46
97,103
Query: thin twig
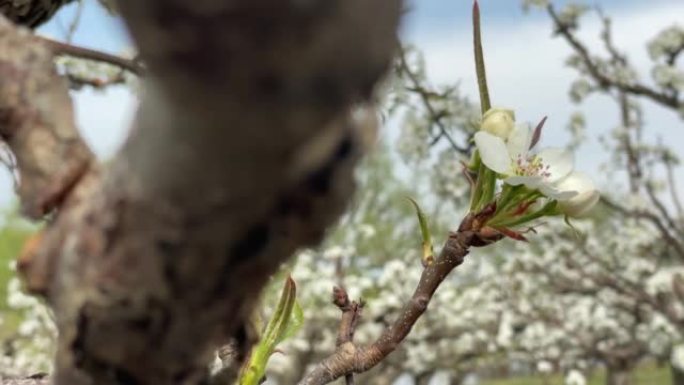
661,209
654,219
351,313
424,95
672,182
60,48
75,22
350,358
602,79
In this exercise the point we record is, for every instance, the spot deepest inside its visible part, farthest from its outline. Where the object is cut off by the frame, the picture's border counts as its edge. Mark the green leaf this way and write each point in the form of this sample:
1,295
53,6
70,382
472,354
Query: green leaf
281,317
296,322
428,253
286,320
485,103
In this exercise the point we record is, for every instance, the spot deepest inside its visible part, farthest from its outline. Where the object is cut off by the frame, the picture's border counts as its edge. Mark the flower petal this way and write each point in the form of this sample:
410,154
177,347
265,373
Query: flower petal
576,181
553,192
493,152
560,163
519,141
531,182
587,195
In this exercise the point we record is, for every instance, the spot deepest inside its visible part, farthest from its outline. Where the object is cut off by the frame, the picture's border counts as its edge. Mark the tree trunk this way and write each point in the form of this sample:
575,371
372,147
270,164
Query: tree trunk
242,152
677,375
424,378
618,375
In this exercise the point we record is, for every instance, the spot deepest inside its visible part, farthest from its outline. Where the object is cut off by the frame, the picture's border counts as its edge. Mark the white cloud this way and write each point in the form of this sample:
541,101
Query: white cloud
526,71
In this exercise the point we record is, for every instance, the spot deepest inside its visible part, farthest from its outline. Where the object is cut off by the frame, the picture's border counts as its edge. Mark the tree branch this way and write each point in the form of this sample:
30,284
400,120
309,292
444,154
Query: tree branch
603,80
424,95
351,313
349,358
649,216
60,48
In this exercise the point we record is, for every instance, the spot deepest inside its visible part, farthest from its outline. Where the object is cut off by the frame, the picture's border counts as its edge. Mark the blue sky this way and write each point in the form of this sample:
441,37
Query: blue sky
427,17
441,29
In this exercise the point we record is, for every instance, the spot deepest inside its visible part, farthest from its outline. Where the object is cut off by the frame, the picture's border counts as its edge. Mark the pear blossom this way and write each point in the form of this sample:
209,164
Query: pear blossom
544,367
498,122
587,195
677,357
518,166
575,377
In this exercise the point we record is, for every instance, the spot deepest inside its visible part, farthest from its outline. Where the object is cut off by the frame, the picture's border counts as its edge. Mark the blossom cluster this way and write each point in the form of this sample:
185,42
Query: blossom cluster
535,183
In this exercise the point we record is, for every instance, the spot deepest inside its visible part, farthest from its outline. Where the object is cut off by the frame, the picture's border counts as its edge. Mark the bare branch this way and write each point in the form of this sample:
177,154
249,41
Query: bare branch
672,184
349,358
60,48
604,80
351,313
424,94
75,22
670,238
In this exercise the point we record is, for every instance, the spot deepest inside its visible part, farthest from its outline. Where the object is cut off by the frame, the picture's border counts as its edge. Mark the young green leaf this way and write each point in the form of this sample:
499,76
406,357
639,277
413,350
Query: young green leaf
485,103
428,254
286,320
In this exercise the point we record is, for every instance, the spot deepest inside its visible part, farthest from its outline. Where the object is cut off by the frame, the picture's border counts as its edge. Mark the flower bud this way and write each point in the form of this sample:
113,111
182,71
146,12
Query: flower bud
499,122
587,195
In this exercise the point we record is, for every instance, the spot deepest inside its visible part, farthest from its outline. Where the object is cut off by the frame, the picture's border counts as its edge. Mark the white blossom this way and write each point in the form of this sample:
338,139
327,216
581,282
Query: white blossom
514,162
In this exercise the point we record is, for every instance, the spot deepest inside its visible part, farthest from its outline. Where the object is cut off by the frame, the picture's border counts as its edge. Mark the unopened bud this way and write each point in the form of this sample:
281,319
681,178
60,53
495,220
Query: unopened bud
499,122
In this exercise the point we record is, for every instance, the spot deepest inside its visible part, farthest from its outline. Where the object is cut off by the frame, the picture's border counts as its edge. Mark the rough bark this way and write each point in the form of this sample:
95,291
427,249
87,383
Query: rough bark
31,13
241,152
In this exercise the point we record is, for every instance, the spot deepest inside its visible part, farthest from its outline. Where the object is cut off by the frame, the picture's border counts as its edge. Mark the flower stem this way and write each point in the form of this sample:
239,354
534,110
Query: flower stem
548,209
508,192
511,198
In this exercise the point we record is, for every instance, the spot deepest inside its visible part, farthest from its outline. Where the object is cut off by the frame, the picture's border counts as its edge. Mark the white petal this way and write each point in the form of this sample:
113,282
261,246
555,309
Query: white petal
560,163
553,192
576,181
531,182
519,141
587,195
493,152
581,204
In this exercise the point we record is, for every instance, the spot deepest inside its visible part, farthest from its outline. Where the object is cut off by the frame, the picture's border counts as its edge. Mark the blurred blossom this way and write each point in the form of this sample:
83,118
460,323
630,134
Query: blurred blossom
677,357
